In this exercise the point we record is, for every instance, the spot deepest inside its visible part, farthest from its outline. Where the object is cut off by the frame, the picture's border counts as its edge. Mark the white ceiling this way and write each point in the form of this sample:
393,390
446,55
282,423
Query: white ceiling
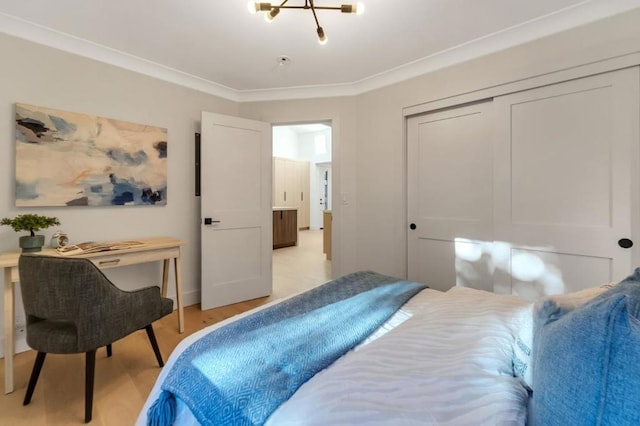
218,47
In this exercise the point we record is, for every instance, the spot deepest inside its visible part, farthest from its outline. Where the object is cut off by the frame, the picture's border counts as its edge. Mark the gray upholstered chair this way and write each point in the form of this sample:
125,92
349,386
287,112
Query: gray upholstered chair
72,307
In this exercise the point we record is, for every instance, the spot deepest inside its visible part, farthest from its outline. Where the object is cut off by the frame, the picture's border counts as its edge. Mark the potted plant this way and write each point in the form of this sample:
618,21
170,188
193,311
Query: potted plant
31,223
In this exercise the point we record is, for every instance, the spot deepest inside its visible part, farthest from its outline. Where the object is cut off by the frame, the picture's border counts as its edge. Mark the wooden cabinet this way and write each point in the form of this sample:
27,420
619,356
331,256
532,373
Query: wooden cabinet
285,228
304,213
291,187
286,183
326,233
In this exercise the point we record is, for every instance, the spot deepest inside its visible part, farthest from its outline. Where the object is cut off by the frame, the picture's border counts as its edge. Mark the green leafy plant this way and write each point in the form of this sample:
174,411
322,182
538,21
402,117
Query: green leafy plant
30,222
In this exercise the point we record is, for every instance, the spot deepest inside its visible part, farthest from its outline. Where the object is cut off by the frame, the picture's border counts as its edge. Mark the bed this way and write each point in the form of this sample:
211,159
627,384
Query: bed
461,357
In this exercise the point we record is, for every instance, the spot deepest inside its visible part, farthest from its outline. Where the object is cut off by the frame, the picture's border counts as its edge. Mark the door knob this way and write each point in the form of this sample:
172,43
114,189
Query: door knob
413,226
209,221
625,243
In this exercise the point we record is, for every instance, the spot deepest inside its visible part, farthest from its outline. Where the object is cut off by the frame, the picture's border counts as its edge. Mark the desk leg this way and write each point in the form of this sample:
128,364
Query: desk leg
9,330
165,277
178,270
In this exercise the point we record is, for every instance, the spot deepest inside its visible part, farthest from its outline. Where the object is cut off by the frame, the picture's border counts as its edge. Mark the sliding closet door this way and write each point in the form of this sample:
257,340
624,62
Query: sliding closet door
563,191
450,201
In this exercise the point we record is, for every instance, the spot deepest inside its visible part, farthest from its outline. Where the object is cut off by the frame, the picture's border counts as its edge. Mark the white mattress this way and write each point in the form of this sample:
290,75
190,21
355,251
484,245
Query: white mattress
447,360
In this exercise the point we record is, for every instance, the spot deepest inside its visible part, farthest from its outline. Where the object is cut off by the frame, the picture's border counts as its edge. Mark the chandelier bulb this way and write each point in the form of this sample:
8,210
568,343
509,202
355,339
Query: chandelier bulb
255,7
322,38
270,15
358,8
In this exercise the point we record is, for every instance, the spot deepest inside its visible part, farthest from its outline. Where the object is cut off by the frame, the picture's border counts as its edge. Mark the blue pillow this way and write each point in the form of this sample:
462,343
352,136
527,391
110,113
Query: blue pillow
629,284
586,364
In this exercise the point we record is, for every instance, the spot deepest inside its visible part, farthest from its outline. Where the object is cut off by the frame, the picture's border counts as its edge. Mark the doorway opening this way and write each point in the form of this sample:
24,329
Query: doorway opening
302,182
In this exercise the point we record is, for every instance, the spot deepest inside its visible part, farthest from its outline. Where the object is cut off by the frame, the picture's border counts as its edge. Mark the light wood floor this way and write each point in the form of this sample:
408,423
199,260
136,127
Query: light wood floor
123,381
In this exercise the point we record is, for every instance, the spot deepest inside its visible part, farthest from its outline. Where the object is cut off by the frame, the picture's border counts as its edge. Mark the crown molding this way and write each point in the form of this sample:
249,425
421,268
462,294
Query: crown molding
583,13
39,34
571,17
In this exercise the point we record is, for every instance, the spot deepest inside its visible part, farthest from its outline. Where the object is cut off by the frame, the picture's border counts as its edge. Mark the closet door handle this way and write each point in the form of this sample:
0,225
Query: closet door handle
302,196
285,195
625,243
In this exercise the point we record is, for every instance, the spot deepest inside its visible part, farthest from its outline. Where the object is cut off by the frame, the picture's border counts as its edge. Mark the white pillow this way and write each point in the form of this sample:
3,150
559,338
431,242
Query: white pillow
539,312
522,348
570,301
512,315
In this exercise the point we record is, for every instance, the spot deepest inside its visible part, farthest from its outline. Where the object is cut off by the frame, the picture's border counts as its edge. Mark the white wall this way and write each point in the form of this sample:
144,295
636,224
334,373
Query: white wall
367,136
285,143
308,148
381,127
47,77
369,161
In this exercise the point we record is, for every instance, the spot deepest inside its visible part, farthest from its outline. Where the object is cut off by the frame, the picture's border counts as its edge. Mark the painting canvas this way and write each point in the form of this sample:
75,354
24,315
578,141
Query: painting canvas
70,159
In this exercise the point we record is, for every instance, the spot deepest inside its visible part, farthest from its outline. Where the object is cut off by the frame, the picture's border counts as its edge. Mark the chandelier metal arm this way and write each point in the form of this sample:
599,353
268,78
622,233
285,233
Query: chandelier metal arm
345,8
313,10
322,38
306,7
282,5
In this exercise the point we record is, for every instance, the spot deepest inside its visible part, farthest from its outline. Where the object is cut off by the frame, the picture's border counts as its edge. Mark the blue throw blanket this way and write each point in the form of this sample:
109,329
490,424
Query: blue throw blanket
239,374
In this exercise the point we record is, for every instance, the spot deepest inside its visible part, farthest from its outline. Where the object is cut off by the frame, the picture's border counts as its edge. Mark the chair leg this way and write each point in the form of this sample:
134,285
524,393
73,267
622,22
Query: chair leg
35,373
109,351
88,385
154,344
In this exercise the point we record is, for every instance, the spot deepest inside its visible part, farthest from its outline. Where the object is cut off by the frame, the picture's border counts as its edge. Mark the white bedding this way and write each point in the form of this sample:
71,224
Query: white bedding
447,360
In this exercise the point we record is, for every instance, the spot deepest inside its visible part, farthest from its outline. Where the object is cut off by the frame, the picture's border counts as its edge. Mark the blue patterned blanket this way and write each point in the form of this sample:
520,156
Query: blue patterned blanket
240,373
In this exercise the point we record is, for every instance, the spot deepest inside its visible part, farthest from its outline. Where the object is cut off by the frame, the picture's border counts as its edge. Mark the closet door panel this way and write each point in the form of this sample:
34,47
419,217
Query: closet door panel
561,168
563,189
562,272
450,197
462,262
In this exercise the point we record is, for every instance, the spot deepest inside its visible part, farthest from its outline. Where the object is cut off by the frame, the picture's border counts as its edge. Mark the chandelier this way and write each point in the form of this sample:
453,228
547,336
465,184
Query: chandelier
271,11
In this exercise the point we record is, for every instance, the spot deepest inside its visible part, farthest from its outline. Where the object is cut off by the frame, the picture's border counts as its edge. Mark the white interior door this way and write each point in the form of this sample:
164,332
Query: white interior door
450,197
236,199
324,187
563,189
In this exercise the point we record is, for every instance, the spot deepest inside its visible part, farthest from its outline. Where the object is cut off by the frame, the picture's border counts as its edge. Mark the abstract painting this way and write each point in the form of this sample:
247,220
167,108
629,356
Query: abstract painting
70,159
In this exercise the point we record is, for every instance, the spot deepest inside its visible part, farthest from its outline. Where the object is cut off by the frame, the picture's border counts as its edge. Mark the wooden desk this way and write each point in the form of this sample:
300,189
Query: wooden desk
154,249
